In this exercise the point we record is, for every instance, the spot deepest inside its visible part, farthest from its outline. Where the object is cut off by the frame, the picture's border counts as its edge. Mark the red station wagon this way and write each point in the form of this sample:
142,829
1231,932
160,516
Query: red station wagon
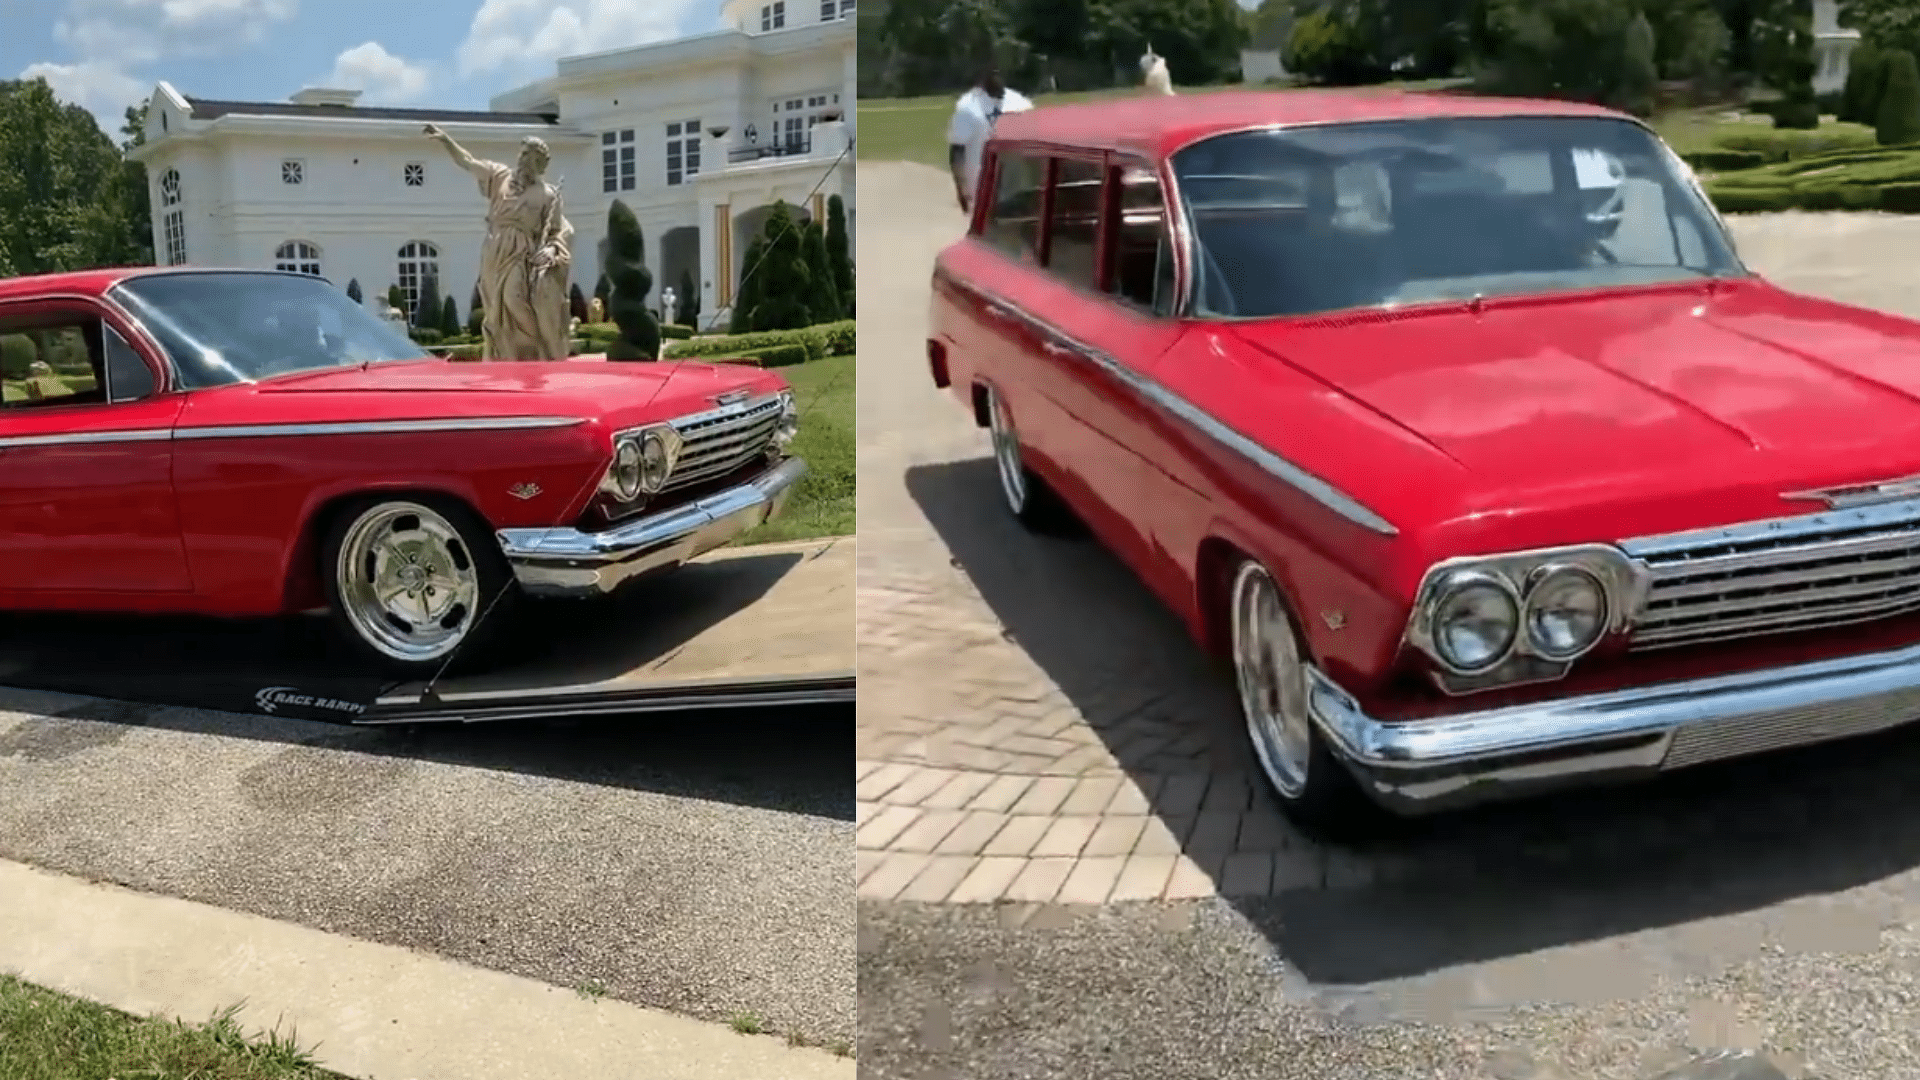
246,443
1456,424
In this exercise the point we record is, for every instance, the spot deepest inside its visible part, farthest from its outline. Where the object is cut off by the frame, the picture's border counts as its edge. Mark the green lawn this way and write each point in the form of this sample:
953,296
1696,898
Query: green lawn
823,503
49,1036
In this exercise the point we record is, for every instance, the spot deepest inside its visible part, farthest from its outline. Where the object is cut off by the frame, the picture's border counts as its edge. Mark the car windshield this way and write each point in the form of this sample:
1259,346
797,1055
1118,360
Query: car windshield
1297,221
223,328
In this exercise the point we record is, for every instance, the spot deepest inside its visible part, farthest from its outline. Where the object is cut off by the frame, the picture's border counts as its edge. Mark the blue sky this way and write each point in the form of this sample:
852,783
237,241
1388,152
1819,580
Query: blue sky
107,54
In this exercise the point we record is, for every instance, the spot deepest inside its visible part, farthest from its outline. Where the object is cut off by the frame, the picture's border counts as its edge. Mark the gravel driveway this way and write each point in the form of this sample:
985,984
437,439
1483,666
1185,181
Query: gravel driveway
1768,906
694,863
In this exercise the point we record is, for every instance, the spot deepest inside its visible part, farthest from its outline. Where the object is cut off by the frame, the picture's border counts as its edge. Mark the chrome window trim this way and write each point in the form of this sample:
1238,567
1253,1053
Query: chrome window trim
1687,176
1315,488
168,379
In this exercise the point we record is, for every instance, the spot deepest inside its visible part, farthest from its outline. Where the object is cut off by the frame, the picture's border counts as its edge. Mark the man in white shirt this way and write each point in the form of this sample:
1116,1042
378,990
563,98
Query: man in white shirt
974,116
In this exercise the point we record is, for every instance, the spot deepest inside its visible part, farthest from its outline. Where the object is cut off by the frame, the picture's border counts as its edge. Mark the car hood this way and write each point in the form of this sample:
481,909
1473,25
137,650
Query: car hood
620,392
1643,401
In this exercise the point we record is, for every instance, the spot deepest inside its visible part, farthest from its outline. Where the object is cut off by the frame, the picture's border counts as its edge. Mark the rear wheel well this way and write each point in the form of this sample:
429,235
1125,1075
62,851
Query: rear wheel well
304,588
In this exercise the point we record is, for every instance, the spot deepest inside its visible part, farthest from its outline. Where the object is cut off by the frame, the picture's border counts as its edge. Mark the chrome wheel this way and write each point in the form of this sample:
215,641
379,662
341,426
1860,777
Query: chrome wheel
407,584
1006,453
1273,689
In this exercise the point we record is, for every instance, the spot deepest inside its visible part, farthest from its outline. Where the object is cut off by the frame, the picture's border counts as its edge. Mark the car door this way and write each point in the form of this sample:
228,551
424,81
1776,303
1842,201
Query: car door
86,460
1102,331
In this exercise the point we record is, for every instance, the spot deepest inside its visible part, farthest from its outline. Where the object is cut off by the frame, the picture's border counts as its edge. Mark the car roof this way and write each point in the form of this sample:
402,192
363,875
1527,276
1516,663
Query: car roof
97,282
1156,125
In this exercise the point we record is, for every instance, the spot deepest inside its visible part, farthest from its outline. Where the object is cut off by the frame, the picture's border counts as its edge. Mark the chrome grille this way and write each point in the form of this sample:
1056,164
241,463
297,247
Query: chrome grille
723,440
1770,577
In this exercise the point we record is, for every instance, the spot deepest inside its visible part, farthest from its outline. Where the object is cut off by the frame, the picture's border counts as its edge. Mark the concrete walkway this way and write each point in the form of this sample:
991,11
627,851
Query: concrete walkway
374,1012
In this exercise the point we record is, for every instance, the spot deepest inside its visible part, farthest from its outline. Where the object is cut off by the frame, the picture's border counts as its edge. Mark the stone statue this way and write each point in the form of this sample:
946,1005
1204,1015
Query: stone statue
1153,68
525,260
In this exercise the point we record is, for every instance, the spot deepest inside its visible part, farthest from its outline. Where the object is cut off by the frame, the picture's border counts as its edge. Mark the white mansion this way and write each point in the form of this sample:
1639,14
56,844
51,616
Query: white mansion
699,136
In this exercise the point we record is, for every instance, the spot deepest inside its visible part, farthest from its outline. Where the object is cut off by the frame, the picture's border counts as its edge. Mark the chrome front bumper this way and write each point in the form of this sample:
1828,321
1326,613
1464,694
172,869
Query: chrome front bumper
566,562
1442,763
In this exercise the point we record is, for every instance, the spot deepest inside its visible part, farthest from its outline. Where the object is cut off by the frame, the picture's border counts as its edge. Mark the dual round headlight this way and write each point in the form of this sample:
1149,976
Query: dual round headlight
641,463
1479,618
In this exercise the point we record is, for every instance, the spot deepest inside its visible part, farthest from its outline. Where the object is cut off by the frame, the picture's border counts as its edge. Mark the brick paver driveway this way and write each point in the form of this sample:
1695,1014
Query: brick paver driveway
1034,727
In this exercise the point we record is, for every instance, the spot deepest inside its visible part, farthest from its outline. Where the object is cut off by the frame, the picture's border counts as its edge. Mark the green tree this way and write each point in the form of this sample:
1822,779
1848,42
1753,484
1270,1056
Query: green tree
1899,120
353,291
687,307
785,280
626,270
1571,49
134,195
1884,24
396,297
68,199
449,317
1329,46
577,302
1639,77
426,313
840,253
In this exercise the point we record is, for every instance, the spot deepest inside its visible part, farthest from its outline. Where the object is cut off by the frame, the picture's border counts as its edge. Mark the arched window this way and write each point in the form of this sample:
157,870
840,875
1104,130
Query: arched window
173,219
419,261
299,257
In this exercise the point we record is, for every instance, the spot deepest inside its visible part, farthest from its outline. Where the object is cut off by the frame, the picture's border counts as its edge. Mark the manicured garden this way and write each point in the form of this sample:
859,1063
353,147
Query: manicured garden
822,505
50,1036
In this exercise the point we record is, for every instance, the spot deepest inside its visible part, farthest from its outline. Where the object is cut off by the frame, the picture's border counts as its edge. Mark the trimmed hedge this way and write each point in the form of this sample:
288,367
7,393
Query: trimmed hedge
1788,144
827,339
675,332
1725,160
1885,178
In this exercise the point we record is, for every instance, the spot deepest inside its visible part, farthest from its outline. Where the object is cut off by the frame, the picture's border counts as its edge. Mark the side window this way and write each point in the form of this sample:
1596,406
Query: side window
128,376
1142,249
1013,221
51,362
1074,228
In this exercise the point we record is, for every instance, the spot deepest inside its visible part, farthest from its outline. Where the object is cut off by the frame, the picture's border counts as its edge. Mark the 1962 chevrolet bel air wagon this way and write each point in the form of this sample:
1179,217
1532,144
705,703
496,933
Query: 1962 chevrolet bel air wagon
243,443
1456,424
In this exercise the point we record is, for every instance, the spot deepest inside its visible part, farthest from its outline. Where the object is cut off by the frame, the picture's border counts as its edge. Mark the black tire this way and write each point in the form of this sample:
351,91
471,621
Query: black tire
446,528
1305,776
1030,499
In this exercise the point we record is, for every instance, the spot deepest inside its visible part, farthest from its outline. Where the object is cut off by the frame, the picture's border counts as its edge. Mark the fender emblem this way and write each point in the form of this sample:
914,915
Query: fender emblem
524,491
1842,498
1335,619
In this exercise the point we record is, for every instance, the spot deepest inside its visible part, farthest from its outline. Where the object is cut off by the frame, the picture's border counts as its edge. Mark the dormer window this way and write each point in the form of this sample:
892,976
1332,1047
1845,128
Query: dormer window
293,172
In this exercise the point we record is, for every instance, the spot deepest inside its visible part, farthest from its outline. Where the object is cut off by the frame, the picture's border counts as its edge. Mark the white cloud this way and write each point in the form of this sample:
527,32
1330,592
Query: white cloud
102,89
515,33
383,76
110,39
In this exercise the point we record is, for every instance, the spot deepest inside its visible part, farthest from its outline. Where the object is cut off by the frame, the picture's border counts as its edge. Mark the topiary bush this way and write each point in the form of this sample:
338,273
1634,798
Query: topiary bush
626,269
1866,81
776,355
1898,121
837,338
396,298
353,291
748,295
784,283
697,347
823,298
17,354
426,315
1725,160
476,321
840,253
424,335
676,332
686,307
449,317
577,303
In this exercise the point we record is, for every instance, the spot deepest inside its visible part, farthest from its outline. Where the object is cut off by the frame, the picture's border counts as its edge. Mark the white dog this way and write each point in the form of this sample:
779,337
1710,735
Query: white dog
1154,67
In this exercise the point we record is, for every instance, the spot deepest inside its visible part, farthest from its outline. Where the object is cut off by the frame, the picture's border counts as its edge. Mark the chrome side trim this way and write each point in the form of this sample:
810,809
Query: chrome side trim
380,427
88,438
1273,464
1426,765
